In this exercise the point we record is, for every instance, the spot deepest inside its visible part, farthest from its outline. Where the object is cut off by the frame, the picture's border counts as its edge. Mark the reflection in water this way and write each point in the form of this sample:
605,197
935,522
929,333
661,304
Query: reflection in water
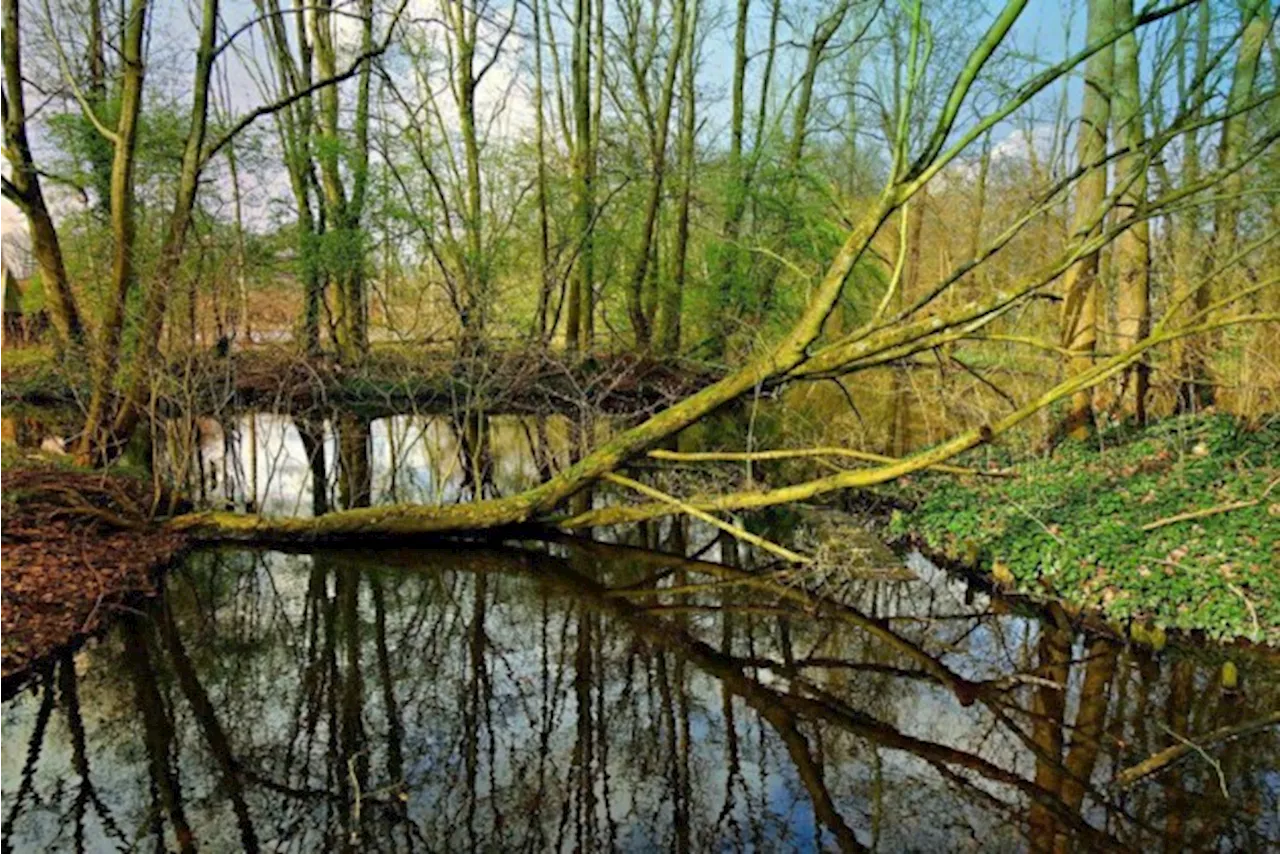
586,695
296,465
578,695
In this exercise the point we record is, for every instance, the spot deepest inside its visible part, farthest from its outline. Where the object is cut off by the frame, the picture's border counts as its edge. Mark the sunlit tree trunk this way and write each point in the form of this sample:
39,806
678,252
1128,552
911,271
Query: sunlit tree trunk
1081,288
1226,220
900,393
1133,247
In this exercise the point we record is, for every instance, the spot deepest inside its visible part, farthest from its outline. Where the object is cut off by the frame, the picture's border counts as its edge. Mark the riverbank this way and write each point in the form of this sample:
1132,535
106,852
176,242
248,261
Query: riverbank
1173,527
76,546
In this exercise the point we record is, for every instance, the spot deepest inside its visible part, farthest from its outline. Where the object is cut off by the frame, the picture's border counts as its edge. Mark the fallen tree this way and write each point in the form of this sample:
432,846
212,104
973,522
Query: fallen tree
804,354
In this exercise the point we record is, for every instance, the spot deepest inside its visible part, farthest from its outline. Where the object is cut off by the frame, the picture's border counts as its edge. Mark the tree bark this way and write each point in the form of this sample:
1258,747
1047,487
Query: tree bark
149,357
1081,288
1133,248
674,293
106,355
578,335
1226,218
660,126
23,189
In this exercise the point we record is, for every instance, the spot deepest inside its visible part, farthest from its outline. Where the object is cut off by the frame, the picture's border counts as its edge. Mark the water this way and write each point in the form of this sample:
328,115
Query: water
546,697
602,692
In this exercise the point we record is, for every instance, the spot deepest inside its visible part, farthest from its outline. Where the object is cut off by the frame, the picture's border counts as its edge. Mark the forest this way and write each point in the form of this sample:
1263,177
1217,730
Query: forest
888,390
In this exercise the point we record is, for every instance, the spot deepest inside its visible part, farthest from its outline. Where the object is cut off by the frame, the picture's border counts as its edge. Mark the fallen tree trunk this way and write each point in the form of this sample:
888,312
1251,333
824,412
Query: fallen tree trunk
800,354
538,505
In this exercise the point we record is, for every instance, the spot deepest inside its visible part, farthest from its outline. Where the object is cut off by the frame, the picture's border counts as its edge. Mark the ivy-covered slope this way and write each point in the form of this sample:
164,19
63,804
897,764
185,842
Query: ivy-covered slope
1072,525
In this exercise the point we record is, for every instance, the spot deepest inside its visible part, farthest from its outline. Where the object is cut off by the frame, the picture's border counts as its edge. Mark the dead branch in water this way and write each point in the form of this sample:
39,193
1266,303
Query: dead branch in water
1160,761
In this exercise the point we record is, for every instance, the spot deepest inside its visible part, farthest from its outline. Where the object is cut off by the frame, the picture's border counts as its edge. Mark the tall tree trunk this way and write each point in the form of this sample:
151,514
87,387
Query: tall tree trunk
660,127
673,296
149,357
242,283
344,210
1133,247
1081,288
1188,257
581,304
295,125
106,355
23,189
463,23
727,271
1227,212
540,331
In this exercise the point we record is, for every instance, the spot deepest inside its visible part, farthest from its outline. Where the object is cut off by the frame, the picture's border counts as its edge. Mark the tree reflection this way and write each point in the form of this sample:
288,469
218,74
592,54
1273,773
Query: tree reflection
579,695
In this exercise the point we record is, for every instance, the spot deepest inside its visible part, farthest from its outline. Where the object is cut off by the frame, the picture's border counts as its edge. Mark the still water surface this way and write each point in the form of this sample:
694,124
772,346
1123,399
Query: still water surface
639,689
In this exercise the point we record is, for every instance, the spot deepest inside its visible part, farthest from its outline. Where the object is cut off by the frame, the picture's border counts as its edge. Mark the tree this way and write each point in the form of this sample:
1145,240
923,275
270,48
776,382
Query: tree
1133,248
584,148
673,294
343,245
804,353
23,189
1081,286
1234,134
656,118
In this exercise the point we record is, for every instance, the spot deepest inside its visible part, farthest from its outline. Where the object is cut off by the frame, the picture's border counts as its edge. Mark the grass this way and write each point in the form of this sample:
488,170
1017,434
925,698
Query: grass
1072,526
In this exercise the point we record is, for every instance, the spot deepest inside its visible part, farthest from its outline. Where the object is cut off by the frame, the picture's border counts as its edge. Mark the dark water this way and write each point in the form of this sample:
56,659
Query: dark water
547,697
605,694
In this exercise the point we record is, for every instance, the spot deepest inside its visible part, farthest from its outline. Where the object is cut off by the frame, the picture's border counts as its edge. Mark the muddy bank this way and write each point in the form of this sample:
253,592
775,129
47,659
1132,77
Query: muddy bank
76,548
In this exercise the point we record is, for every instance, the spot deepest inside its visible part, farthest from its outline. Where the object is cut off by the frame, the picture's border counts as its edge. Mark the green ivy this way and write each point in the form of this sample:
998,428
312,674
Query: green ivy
1071,526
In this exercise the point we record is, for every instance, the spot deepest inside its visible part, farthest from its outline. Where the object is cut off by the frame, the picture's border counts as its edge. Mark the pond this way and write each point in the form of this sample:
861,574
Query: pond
653,687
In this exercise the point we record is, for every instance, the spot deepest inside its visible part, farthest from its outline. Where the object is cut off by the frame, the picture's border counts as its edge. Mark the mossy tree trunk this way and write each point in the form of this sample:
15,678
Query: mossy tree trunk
1081,287
1133,248
106,355
22,187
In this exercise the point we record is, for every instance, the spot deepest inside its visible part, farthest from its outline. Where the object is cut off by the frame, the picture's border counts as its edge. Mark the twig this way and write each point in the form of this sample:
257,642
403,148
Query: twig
798,453
1210,511
1159,761
741,533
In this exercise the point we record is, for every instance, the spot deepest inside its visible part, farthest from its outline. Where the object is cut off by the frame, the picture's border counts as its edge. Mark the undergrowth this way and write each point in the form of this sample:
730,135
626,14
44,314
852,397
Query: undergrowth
1072,525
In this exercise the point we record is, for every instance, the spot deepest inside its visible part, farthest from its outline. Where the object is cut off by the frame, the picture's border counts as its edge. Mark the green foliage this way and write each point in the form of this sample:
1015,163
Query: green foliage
33,296
1072,526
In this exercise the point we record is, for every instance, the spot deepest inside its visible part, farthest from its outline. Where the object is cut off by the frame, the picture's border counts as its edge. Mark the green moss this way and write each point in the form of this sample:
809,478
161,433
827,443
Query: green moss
1071,525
